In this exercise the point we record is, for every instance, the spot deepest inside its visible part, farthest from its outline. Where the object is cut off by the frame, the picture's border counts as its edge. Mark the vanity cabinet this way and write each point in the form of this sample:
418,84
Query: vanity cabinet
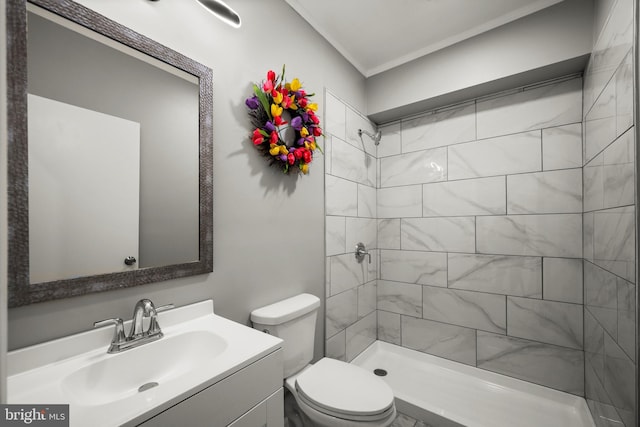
250,397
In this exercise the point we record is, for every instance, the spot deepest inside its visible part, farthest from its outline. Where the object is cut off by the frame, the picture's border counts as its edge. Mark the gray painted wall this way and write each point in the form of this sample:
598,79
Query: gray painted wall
268,228
547,44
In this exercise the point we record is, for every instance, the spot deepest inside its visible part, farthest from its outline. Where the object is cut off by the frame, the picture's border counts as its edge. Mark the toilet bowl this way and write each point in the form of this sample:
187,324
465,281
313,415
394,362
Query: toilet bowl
331,393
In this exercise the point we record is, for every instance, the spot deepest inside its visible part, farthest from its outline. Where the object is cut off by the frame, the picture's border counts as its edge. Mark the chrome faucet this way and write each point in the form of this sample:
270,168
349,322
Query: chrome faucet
137,335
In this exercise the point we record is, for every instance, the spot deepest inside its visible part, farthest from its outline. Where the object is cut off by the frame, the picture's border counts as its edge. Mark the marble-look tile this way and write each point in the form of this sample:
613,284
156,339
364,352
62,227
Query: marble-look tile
593,183
546,235
439,129
505,275
603,412
389,233
425,268
517,153
335,116
627,317
545,192
465,308
451,234
562,280
562,147
594,344
367,204
541,107
336,346
356,121
372,269
363,230
556,367
614,241
403,421
335,235
389,327
606,317
624,95
610,49
600,123
367,299
546,321
604,415
341,196
414,168
587,236
327,276
346,273
351,163
618,172
609,178
400,202
390,143
482,196
400,298
600,287
361,335
342,311
619,377
326,148
448,341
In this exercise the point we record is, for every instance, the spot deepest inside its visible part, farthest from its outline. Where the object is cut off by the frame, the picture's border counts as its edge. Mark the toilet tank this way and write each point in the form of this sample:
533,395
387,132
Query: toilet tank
294,321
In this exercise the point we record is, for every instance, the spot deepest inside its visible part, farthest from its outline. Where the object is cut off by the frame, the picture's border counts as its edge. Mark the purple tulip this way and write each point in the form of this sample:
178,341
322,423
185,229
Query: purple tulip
252,102
283,157
269,127
296,123
305,117
300,142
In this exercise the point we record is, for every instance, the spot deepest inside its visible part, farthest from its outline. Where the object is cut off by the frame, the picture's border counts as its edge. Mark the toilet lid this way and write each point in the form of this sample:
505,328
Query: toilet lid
344,390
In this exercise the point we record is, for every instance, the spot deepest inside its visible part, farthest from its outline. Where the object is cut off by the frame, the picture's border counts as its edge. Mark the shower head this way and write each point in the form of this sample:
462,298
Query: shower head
376,137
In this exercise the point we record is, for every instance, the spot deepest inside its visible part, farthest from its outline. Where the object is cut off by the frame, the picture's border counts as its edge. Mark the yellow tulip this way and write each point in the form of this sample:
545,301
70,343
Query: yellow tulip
274,150
313,106
278,98
304,132
304,168
275,110
295,85
283,150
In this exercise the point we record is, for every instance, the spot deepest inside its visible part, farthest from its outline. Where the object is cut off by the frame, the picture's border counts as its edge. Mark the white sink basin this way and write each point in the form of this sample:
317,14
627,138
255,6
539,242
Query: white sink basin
198,349
121,376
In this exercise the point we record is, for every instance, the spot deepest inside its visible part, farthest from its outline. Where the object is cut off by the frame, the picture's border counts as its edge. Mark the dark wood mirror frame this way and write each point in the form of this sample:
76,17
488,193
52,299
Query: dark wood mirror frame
21,291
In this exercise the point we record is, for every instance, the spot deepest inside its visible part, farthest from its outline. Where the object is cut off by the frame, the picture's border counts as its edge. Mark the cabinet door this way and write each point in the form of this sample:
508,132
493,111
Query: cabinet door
228,399
268,413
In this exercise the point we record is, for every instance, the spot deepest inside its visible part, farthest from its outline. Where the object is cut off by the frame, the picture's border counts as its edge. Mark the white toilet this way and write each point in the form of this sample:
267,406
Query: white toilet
331,393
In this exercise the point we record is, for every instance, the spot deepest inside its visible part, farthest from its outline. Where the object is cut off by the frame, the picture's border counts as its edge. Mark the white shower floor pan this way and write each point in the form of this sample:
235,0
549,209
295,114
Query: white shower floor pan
449,394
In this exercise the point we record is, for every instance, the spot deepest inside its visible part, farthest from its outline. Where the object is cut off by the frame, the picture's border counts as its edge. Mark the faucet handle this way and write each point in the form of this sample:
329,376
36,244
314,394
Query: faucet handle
154,326
118,335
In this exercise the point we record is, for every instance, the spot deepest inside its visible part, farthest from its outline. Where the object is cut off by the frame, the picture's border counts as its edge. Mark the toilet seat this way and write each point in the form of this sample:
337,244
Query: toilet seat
345,391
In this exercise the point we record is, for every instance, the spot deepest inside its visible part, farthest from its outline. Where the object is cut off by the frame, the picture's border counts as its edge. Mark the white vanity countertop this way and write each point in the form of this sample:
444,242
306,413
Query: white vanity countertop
199,348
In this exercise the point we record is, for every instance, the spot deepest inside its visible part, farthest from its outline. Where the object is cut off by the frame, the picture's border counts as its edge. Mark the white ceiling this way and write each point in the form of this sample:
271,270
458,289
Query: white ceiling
376,35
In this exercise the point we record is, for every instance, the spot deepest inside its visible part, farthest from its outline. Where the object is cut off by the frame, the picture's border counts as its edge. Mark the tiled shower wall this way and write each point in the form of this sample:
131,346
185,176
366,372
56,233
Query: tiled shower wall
609,222
480,234
350,187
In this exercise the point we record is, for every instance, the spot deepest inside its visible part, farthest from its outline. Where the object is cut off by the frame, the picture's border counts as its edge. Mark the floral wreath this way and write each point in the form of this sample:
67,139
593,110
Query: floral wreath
288,144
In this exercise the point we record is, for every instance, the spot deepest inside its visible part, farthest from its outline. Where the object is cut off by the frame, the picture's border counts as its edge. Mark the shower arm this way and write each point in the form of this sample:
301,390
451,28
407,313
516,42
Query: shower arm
376,137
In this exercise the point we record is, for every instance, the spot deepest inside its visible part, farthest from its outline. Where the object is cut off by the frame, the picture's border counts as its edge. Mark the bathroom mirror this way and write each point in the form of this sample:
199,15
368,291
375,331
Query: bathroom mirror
109,155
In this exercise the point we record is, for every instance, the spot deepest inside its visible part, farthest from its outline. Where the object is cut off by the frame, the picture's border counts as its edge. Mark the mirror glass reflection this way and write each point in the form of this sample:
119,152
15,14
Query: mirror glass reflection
113,155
